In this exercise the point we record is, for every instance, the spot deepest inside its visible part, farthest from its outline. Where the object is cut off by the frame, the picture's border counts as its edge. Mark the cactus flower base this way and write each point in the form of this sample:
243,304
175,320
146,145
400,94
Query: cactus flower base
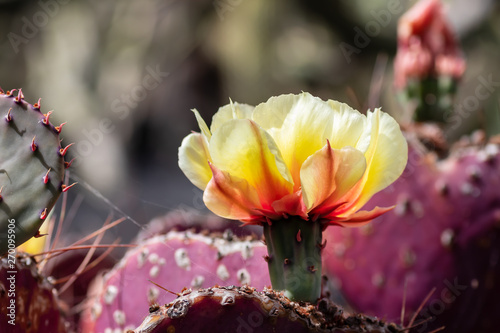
294,247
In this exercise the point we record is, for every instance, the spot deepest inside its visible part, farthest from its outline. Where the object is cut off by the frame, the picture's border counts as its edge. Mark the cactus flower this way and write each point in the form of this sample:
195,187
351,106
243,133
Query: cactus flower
294,164
294,155
428,63
426,45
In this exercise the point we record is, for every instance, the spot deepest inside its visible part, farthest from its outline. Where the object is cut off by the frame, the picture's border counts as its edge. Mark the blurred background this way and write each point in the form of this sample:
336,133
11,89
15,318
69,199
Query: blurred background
125,74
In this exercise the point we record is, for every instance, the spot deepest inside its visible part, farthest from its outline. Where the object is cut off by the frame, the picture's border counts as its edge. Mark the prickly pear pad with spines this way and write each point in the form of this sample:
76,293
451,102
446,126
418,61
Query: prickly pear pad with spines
175,261
444,233
244,309
31,168
194,220
36,304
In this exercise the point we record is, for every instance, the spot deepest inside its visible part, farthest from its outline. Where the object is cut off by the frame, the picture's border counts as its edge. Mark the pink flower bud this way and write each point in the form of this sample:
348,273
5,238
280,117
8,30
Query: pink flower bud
426,45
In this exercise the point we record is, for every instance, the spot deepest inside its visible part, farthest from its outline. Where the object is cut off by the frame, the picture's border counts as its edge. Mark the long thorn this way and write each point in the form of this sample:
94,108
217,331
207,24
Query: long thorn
61,217
89,266
48,240
423,321
156,284
377,80
85,260
421,306
65,249
404,304
90,236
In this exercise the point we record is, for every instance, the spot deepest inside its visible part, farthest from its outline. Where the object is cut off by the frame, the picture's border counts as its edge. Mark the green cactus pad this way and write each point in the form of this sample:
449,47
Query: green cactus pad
31,169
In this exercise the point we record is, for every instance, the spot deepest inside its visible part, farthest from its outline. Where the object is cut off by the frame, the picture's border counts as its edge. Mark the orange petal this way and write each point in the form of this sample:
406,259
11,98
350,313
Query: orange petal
231,197
317,176
360,218
351,167
291,204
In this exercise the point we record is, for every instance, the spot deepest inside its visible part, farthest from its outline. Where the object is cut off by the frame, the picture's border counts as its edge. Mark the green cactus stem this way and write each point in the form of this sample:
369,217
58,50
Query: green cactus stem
431,98
294,248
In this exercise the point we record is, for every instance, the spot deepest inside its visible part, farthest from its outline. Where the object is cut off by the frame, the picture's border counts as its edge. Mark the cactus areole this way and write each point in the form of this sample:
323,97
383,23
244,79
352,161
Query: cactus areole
294,164
31,169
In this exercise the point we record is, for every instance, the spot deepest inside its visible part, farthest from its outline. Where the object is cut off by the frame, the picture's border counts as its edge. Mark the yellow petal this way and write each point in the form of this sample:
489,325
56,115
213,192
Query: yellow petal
273,112
301,124
231,197
348,125
305,123
203,126
241,148
317,176
351,167
36,244
194,158
386,153
231,111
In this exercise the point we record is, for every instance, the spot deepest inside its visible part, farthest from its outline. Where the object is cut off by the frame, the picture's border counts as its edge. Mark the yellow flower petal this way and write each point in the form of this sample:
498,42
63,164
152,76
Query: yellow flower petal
348,125
301,124
231,197
194,158
201,123
272,113
36,244
306,124
317,176
386,153
241,148
230,111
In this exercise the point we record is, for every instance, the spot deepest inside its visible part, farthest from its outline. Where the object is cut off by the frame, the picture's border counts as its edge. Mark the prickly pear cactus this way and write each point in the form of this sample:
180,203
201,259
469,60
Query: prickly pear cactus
28,302
175,261
194,220
31,169
244,309
65,265
443,235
